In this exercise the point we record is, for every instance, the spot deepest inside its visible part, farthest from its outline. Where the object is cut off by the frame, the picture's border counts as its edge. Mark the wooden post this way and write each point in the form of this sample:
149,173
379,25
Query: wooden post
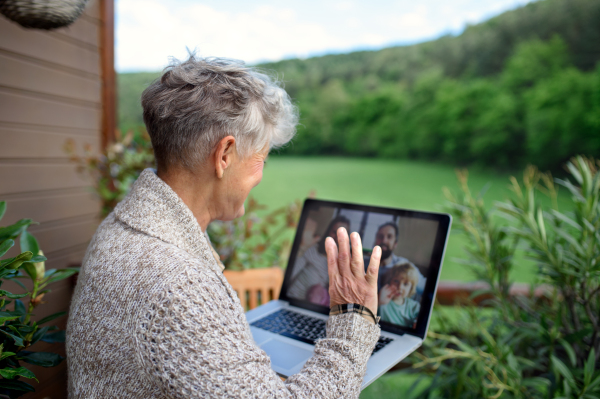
107,61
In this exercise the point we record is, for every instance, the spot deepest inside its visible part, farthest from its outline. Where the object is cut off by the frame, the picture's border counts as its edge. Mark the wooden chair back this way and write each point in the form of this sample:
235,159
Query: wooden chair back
255,287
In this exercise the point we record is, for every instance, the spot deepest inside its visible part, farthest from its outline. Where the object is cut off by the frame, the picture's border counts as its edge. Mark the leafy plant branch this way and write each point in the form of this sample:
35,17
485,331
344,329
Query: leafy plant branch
526,346
17,331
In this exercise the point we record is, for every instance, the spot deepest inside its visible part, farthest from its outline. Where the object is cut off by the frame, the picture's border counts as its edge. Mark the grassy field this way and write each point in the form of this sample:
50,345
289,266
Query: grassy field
394,385
403,184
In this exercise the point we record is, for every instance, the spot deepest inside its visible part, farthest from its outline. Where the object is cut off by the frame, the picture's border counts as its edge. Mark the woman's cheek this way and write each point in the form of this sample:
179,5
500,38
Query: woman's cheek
259,173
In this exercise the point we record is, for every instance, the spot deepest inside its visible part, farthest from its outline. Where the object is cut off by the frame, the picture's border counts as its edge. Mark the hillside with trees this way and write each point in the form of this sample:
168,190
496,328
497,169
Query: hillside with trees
522,87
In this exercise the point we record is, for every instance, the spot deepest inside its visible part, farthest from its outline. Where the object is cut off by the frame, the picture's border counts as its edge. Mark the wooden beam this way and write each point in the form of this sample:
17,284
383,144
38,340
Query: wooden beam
107,62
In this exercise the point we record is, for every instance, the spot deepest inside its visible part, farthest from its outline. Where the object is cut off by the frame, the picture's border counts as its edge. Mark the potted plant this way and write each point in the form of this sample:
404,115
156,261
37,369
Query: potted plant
18,330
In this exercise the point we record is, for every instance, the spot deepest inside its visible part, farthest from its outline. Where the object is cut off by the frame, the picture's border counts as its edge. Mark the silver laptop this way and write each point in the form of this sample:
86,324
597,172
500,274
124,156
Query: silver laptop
413,245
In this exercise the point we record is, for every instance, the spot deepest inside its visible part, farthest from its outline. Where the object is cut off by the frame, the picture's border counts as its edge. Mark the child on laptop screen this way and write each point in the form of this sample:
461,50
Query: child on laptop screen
395,297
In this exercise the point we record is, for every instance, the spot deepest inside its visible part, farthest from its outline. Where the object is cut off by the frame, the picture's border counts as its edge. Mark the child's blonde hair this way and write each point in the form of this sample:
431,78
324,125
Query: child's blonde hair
406,269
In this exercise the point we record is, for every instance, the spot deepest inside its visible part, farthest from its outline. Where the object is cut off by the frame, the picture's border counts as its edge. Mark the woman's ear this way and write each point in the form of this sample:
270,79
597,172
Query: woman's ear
224,153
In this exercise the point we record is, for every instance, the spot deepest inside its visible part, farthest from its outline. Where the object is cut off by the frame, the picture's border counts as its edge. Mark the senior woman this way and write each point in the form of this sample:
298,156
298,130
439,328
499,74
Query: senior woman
152,315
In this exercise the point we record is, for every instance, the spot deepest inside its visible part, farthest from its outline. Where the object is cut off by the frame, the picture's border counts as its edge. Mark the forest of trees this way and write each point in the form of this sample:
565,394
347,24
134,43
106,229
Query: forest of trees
522,87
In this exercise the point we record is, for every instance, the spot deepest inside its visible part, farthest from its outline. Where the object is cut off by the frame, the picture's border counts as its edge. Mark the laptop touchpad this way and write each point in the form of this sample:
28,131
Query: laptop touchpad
285,355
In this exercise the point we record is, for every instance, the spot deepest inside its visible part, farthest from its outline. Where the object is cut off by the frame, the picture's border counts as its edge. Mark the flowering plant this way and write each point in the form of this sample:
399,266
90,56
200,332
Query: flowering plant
114,171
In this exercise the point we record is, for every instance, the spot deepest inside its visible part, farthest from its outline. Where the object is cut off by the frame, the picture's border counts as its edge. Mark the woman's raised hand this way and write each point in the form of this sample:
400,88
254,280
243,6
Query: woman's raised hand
348,282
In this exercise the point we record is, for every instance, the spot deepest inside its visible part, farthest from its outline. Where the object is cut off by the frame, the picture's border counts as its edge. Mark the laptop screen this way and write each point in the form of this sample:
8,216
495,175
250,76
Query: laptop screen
412,246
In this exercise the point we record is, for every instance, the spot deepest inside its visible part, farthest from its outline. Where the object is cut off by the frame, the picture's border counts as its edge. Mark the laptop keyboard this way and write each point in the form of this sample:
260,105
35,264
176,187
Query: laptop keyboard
301,327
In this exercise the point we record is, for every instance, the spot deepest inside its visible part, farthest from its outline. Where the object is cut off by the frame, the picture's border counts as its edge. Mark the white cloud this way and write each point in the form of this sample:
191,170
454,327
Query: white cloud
344,5
149,31
154,31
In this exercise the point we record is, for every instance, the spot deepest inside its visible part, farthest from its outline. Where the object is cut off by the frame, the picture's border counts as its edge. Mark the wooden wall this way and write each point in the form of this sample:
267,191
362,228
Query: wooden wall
51,90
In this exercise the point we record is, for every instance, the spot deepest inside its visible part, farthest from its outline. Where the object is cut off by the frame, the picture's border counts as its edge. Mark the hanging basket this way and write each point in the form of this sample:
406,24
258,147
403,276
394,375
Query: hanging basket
42,14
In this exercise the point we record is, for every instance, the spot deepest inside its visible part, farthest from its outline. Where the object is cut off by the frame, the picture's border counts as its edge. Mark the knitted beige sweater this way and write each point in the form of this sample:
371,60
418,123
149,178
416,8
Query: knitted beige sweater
152,316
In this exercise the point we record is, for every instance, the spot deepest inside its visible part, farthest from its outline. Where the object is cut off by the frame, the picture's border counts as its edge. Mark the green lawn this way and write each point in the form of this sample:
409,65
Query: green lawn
394,385
403,184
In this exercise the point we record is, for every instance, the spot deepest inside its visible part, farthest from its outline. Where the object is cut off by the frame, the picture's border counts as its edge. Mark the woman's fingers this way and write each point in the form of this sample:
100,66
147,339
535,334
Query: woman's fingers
343,252
332,258
373,270
357,263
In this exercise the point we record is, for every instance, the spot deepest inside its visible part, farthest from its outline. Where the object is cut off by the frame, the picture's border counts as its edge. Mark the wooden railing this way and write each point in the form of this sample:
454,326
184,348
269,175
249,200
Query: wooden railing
255,286
452,292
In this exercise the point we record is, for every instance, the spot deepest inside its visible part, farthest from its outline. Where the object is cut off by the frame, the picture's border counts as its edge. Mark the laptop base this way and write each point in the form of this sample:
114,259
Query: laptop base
289,355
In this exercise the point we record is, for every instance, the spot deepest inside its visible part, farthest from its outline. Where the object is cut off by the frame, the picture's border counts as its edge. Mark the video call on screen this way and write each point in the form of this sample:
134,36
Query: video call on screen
407,245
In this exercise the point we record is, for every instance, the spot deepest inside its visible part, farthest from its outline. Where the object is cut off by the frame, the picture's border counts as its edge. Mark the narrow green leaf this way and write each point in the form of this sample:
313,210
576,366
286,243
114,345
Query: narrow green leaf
12,296
17,261
6,354
5,319
58,336
588,370
51,317
49,272
2,209
536,382
566,219
571,240
39,334
18,340
566,388
6,245
20,307
37,259
62,274
570,351
15,330
541,225
573,169
563,370
10,373
10,314
594,383
29,243
16,385
590,227
14,230
44,359
25,329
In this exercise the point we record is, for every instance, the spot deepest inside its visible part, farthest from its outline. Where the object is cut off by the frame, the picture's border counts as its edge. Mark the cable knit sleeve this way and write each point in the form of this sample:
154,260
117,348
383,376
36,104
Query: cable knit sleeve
192,340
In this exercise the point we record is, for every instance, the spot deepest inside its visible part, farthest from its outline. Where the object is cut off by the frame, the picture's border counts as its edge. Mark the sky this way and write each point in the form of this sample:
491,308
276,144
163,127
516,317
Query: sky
148,32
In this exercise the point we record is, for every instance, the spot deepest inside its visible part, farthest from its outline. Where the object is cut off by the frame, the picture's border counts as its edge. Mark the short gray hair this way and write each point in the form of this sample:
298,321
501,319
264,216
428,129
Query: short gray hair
196,103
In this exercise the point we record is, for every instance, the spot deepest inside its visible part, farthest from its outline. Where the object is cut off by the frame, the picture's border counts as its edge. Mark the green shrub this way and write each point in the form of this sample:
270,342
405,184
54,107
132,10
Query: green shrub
255,241
114,171
532,346
17,331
